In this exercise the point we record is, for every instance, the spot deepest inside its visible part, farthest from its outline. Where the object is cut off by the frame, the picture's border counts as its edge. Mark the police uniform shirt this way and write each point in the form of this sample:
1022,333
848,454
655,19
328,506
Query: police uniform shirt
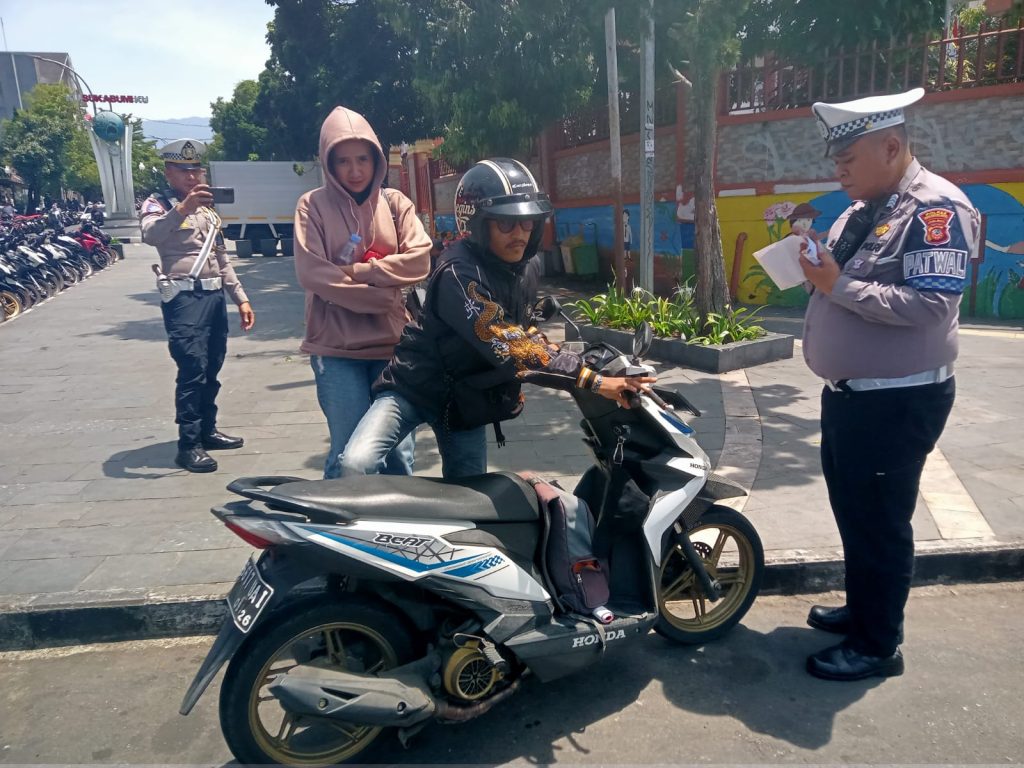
893,310
179,239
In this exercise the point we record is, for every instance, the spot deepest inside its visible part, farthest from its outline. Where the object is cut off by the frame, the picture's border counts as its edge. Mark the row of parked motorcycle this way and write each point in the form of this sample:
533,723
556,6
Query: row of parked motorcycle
40,257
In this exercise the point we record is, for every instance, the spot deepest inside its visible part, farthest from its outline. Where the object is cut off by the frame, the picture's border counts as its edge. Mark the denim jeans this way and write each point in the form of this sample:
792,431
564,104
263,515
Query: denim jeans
390,419
343,389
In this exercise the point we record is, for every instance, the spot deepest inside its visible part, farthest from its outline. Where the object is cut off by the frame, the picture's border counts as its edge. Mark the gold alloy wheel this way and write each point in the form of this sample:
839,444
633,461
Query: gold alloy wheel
729,557
303,740
10,305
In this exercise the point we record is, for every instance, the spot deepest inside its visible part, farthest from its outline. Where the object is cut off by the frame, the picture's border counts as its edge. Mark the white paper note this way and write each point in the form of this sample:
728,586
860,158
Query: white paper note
781,261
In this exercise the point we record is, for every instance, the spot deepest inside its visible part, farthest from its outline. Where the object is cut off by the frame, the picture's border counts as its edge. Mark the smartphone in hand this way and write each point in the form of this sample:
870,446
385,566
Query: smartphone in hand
223,195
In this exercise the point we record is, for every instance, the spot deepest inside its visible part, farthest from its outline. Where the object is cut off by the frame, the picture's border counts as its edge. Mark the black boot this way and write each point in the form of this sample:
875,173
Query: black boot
195,460
218,441
835,620
842,662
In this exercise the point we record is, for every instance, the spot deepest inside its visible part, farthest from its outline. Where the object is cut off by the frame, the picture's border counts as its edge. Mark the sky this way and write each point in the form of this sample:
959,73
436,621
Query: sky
182,54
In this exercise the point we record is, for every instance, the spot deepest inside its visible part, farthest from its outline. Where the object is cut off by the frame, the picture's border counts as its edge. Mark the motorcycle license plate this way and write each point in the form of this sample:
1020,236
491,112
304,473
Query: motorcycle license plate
248,597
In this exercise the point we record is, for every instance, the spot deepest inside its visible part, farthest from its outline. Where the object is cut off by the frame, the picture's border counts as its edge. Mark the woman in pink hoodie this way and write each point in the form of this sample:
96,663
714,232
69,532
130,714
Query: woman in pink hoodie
356,247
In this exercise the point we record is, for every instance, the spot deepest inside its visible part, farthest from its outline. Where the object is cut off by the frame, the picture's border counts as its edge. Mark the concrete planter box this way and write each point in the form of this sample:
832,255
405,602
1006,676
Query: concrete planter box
118,248
715,358
243,249
268,247
287,246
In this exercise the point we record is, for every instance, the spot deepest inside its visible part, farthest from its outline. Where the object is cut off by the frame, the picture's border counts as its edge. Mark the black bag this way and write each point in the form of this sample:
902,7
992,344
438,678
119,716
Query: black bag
474,401
578,577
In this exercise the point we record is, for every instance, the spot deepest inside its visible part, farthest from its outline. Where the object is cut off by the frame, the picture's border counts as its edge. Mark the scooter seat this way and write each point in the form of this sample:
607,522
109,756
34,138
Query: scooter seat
497,497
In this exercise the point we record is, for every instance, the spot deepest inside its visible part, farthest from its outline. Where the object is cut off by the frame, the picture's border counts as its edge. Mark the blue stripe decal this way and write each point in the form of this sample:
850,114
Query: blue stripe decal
475,568
676,422
391,557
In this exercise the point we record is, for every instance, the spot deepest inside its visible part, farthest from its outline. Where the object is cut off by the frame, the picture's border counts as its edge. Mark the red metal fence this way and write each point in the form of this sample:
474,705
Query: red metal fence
990,56
590,125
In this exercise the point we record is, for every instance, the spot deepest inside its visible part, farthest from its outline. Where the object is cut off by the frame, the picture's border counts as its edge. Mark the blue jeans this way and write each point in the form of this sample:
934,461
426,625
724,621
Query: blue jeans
386,424
343,389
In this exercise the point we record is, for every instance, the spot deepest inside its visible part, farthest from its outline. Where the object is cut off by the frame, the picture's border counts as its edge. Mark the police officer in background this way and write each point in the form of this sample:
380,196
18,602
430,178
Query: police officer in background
881,330
179,222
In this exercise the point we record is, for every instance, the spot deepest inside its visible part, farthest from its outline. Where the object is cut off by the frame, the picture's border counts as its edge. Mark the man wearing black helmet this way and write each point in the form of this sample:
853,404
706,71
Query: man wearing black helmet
461,366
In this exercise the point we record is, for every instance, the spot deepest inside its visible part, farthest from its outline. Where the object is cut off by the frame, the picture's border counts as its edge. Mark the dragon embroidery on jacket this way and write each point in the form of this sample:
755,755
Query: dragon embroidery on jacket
507,341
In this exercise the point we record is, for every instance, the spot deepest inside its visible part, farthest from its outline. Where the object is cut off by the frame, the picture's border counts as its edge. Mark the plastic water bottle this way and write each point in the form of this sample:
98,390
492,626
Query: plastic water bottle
349,248
603,615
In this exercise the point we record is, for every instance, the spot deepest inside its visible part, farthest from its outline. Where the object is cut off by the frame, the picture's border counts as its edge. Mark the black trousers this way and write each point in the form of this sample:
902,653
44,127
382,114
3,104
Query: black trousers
873,449
197,334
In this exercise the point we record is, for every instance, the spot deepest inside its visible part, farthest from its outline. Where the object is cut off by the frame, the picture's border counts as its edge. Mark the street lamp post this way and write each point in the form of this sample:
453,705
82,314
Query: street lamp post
113,155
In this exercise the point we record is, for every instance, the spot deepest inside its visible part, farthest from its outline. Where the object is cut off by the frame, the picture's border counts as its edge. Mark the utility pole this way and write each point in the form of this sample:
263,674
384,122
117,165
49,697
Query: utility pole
612,65
645,274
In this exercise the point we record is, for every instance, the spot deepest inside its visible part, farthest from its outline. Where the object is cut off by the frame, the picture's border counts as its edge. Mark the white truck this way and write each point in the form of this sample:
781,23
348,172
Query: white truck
265,197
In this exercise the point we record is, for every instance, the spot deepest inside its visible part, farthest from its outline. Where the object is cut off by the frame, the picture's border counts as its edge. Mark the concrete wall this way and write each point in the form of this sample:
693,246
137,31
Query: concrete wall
444,194
951,136
585,173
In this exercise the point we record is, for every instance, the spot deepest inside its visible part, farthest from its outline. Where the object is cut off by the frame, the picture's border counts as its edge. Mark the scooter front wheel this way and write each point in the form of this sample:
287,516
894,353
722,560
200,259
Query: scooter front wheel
348,635
734,556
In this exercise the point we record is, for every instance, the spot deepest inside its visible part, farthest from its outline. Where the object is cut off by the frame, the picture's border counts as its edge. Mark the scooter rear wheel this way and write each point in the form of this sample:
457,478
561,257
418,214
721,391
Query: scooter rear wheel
10,305
349,635
732,553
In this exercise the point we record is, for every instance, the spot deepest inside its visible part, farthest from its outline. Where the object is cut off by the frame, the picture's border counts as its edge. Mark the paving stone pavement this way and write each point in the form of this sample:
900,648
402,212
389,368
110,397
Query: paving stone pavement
92,508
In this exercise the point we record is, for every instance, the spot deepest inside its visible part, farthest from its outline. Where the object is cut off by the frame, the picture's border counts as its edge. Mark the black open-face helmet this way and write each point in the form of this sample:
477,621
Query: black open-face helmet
499,188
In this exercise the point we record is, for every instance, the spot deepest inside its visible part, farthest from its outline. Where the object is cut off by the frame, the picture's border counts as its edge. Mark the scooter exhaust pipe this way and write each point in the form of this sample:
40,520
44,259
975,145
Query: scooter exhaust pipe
376,701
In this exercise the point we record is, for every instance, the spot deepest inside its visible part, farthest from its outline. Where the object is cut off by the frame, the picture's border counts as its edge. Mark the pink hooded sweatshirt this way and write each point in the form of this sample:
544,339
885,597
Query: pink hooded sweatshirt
356,310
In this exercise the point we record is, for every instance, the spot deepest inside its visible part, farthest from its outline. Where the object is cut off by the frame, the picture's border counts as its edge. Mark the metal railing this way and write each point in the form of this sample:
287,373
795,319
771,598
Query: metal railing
590,125
990,56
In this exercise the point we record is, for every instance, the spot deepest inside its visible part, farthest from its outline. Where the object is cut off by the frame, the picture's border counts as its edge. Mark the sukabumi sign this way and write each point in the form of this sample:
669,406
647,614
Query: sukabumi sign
114,99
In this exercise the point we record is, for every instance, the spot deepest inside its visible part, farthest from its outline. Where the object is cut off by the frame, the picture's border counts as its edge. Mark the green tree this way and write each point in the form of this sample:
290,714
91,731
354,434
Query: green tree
326,53
147,166
801,31
81,173
238,135
496,73
39,140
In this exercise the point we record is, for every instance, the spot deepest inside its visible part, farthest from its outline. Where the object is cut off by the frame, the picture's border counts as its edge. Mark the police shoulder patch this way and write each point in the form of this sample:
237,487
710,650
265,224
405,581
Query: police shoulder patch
151,206
935,253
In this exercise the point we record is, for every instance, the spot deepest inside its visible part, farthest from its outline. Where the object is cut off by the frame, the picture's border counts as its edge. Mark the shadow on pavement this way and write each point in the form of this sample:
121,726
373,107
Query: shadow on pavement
755,678
276,297
132,464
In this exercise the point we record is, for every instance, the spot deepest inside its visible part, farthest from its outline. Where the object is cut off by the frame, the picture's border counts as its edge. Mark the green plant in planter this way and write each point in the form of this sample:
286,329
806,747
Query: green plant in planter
729,326
114,241
670,318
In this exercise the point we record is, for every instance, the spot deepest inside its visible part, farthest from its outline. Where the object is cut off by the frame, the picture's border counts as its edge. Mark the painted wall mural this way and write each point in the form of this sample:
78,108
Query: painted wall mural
751,222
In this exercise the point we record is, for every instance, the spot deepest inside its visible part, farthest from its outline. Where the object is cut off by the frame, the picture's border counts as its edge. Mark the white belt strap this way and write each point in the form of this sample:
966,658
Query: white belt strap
934,376
204,254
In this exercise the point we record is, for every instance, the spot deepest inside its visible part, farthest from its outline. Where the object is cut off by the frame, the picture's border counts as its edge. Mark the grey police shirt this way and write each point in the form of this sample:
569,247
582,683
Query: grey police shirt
179,239
894,310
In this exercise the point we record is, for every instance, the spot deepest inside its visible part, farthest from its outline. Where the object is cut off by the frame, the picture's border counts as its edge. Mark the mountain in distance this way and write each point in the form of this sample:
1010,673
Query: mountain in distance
172,129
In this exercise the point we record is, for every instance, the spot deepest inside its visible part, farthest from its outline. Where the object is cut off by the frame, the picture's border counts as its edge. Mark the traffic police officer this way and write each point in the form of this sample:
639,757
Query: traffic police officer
881,330
179,222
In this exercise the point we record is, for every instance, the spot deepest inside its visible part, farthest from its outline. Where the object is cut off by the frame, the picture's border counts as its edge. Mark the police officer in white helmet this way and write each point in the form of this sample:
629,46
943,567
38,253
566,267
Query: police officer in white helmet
881,330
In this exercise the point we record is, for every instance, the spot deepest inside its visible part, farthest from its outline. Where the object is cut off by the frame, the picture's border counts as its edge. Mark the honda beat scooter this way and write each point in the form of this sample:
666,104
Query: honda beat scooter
385,602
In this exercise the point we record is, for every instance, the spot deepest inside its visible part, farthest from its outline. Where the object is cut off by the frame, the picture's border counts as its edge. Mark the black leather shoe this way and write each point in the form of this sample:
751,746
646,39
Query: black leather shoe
218,441
835,620
841,662
195,460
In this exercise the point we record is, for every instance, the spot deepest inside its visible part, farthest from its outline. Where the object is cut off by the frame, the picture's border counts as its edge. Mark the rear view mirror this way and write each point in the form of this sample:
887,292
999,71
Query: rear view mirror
642,339
546,308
